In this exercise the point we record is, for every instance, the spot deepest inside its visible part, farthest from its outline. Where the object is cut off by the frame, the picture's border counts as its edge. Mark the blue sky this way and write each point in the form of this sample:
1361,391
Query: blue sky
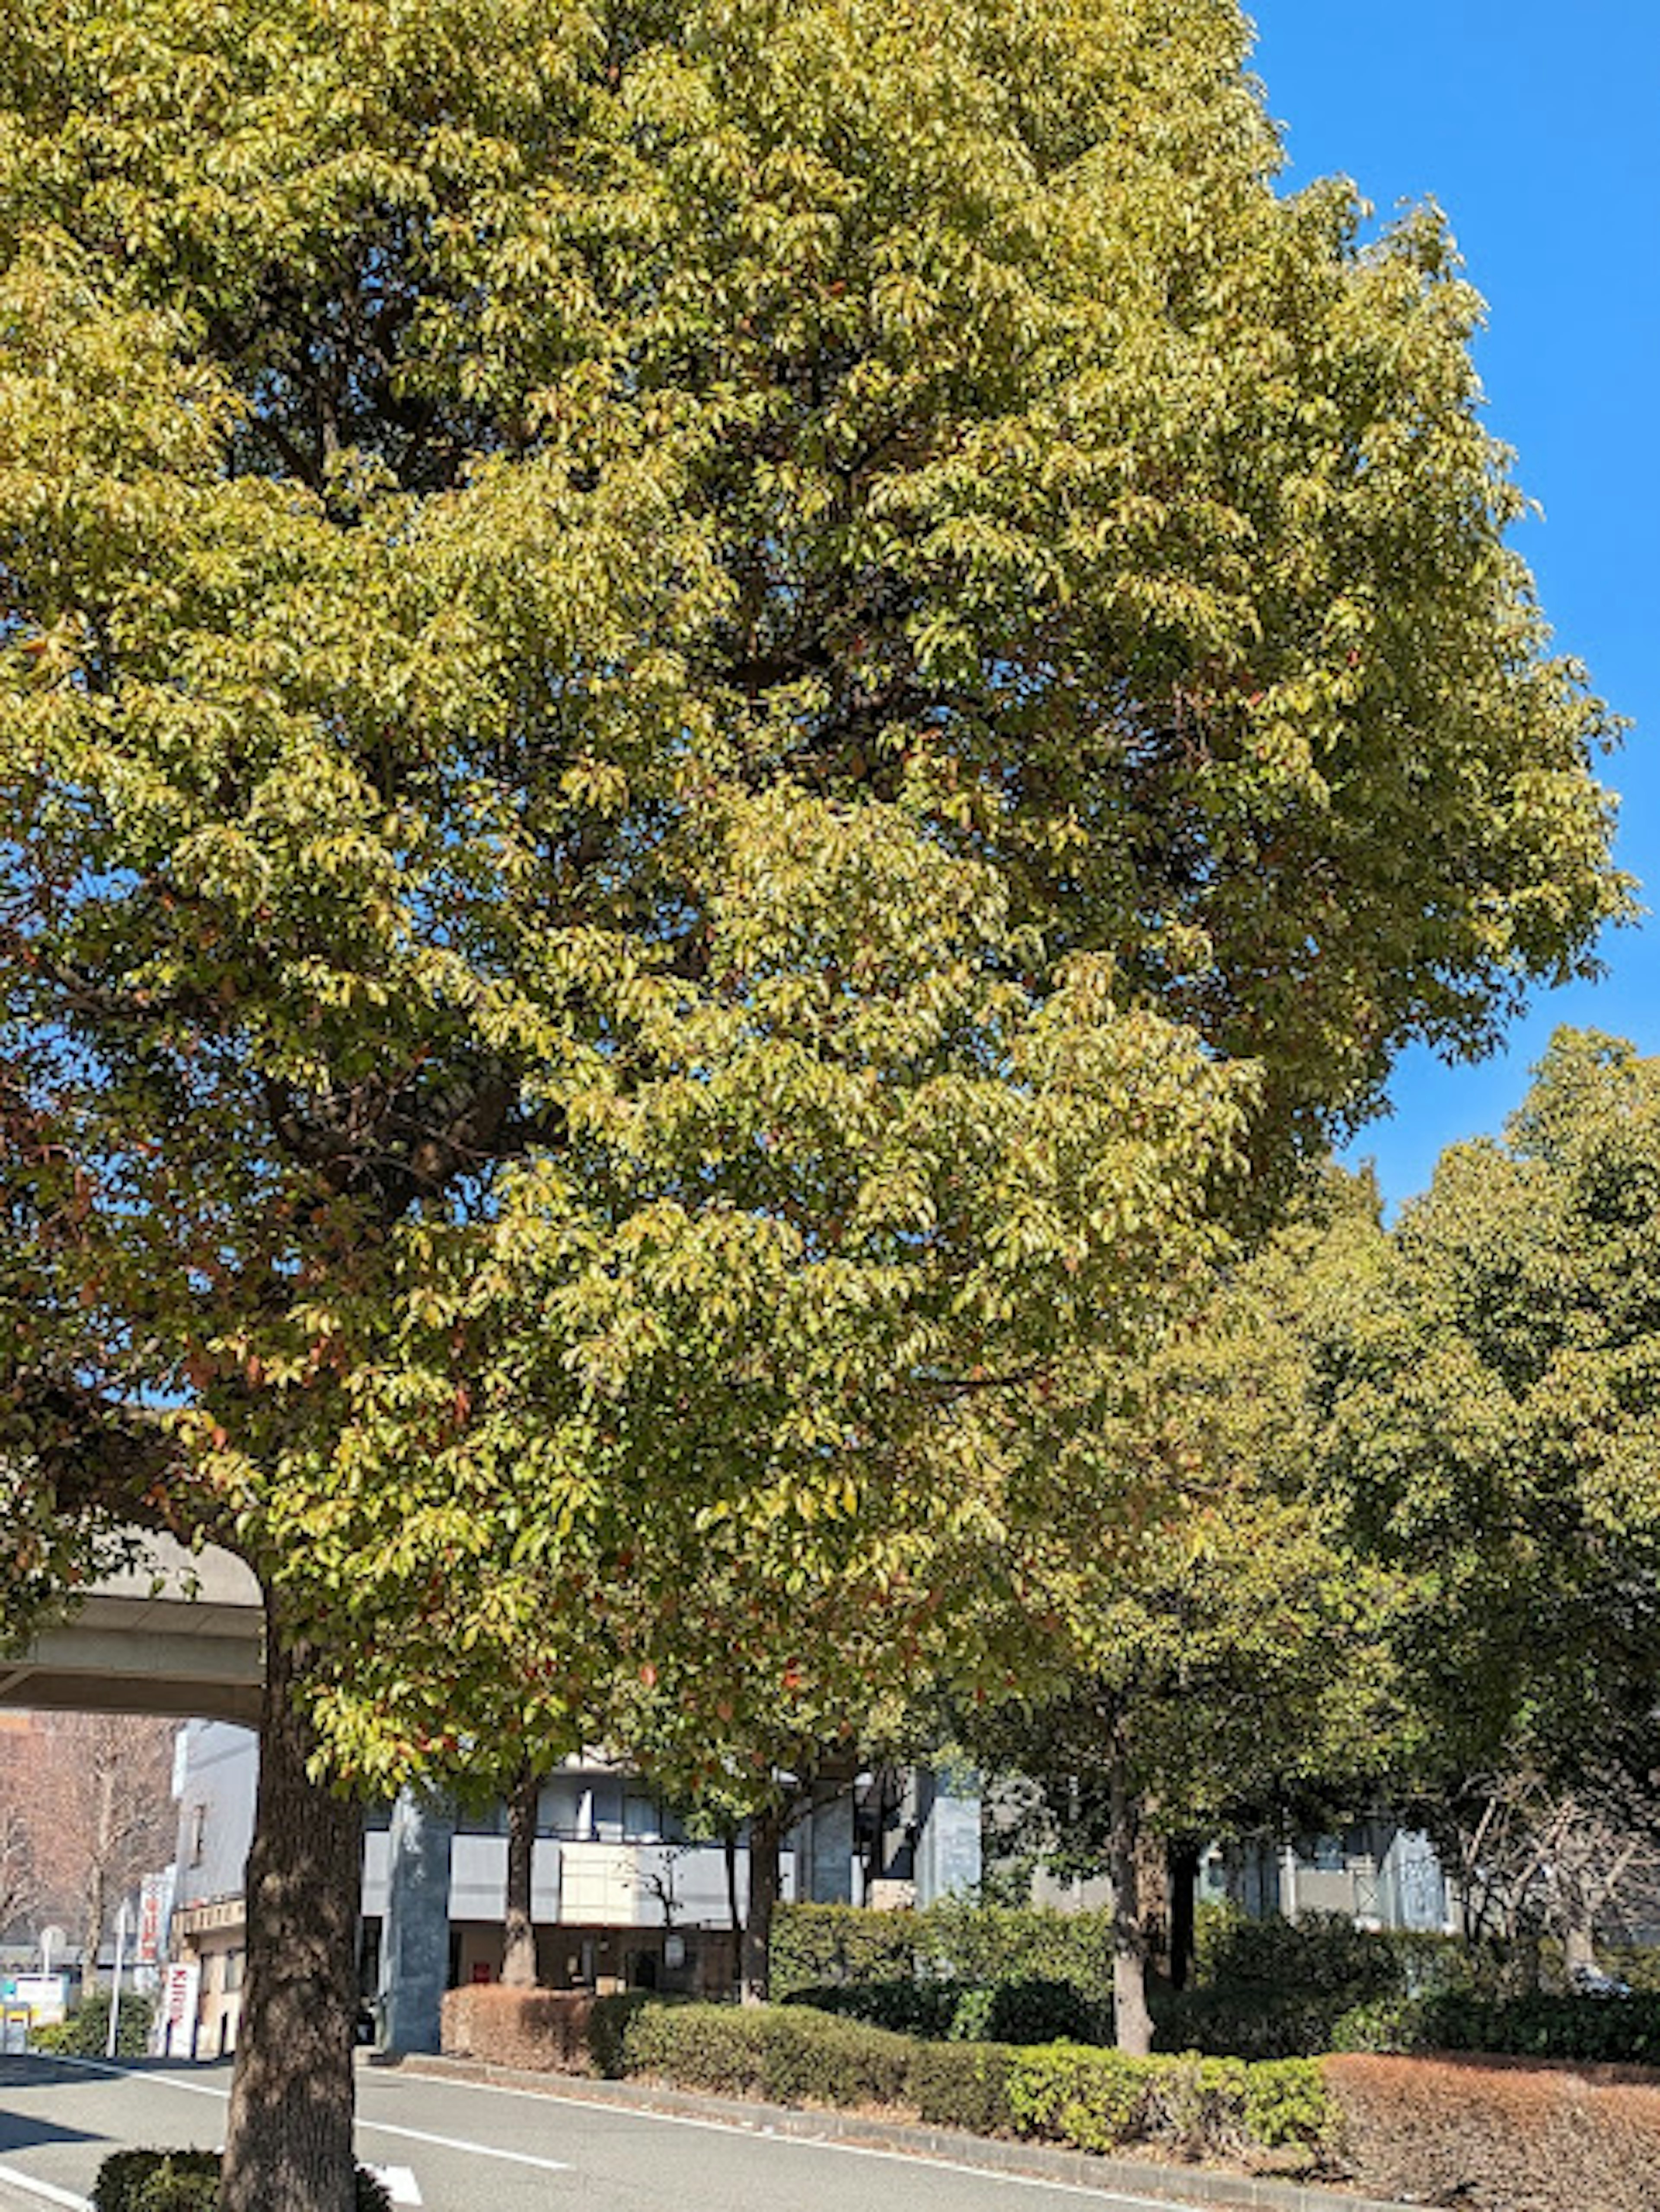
1536,126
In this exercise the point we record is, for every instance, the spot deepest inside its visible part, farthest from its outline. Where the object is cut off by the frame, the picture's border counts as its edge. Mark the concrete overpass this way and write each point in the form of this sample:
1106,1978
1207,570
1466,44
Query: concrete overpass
178,1634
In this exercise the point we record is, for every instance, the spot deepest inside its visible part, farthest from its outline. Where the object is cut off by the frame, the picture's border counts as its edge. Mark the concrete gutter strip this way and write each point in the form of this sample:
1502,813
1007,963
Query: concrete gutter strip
1163,2184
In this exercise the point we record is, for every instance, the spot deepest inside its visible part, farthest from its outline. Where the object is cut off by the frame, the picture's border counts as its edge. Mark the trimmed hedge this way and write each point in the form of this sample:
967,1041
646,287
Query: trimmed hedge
1608,2031
817,1947
187,2181
1002,2012
1497,2137
1071,2094
1492,2137
783,2056
540,2031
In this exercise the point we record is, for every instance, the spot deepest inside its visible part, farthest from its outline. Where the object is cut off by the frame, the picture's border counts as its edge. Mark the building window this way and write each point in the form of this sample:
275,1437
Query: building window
198,1832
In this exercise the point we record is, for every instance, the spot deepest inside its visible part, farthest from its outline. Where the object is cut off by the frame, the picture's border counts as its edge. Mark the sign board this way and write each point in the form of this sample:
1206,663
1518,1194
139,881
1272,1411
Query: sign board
154,1907
45,1997
181,1994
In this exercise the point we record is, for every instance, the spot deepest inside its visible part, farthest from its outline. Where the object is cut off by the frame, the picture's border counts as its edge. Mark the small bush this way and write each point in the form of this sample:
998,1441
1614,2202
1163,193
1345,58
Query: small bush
1038,2011
962,2085
187,2181
1093,2099
1286,2104
1251,2024
784,2055
86,2032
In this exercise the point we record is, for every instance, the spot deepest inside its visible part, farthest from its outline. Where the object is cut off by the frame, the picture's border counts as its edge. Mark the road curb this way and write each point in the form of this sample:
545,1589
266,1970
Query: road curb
1153,2186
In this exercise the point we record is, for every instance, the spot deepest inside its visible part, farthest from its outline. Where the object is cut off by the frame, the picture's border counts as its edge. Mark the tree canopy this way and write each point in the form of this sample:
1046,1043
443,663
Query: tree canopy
702,706
1489,1401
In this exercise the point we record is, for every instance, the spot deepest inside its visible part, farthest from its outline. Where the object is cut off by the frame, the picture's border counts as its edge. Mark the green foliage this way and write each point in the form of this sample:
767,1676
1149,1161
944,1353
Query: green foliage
785,2055
1017,2010
1488,1407
1287,2102
1094,2099
607,2028
954,1942
754,682
1323,1953
188,2181
929,2009
1102,2100
1271,1988
85,2032
962,2085
1027,2009
1090,2100
1623,2031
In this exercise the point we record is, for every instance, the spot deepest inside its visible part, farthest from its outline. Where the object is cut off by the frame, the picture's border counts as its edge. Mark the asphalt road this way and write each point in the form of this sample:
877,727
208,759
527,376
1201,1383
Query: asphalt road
465,2148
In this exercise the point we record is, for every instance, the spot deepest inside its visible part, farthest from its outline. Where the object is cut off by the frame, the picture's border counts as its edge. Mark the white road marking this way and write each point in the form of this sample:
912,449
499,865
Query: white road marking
1114,2199
47,2189
399,2182
374,2127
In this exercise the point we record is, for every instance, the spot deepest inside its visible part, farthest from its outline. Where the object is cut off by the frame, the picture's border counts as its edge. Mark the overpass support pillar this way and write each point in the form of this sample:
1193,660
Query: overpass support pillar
415,1938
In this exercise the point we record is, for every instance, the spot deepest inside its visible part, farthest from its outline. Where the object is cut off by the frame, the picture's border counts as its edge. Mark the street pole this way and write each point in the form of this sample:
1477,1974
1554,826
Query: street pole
115,1983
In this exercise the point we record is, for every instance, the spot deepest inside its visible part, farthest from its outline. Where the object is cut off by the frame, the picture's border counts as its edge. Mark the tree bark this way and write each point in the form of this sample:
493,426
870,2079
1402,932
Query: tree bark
766,1846
518,1942
1153,1889
1132,2020
1580,1944
1183,1881
289,2136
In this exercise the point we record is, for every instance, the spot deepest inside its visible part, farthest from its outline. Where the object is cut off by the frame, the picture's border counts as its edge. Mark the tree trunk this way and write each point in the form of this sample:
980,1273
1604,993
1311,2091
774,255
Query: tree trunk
1580,1944
734,1904
1183,1883
518,1943
766,1844
289,2136
1153,1889
1132,2021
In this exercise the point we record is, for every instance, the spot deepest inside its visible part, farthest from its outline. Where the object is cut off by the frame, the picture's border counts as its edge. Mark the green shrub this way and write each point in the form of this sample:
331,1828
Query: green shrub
817,1947
786,2055
1287,2102
187,2181
606,2028
86,2032
1092,2099
827,1946
157,2181
1616,2031
962,2085
1072,2094
1260,2024
908,2007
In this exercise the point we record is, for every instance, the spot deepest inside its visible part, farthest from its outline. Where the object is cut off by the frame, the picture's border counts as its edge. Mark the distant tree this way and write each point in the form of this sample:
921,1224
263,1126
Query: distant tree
1489,1419
1492,1414
19,1887
101,1813
1198,1645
